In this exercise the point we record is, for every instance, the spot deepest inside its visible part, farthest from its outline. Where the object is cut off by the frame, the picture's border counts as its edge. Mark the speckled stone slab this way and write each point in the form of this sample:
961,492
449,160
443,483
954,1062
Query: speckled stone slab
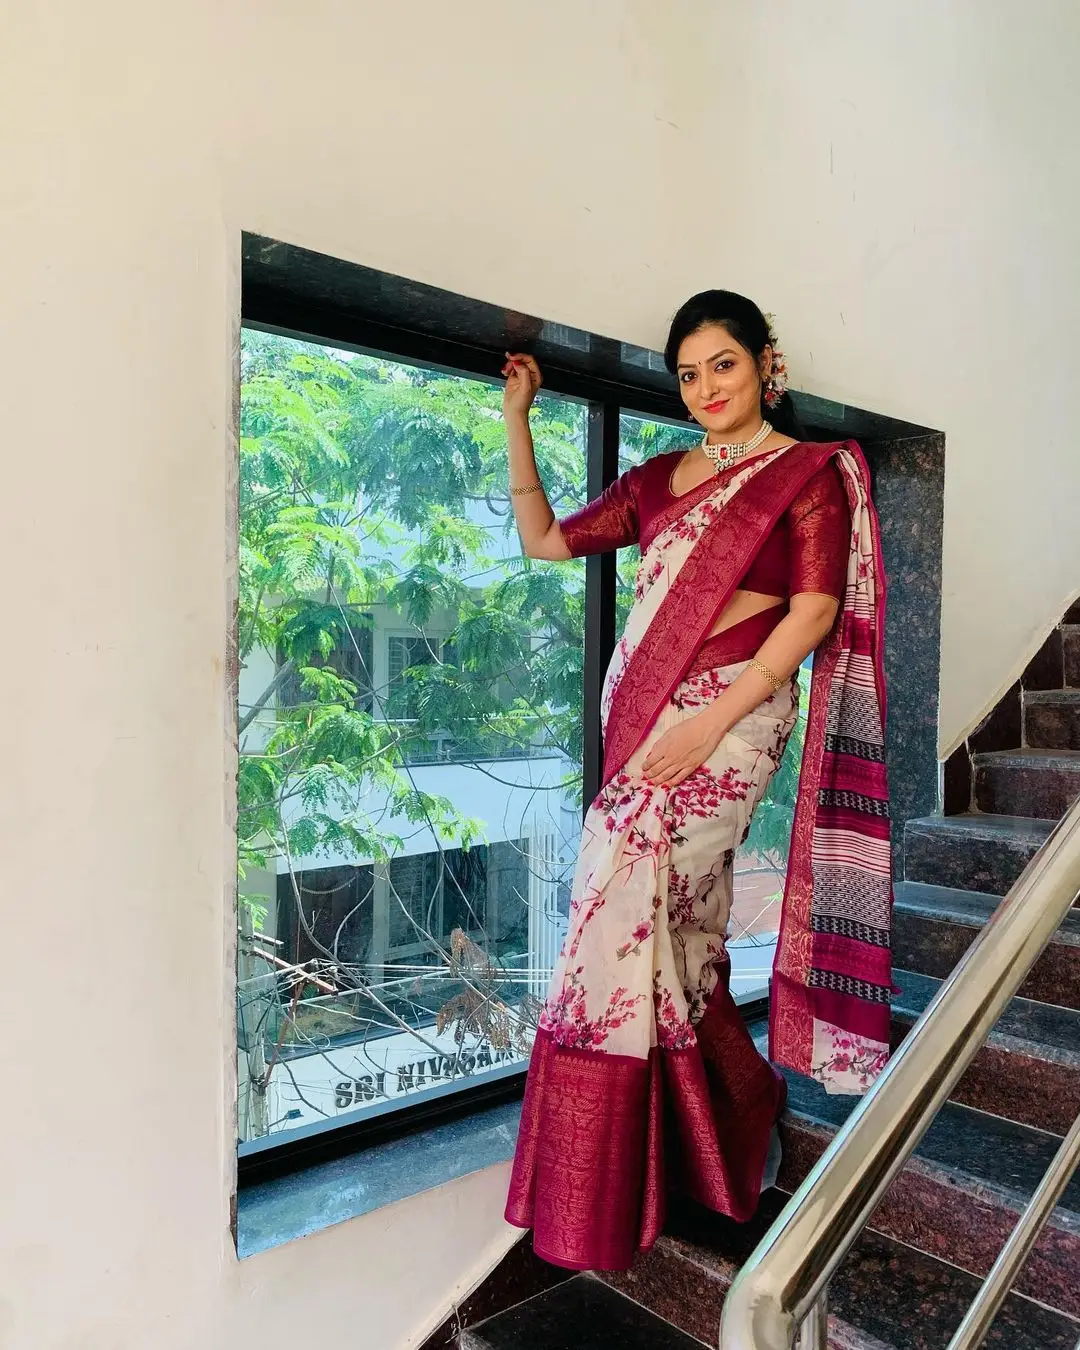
972,852
1070,636
885,1296
961,1194
1052,720
908,485
1041,784
1029,1070
579,1314
933,926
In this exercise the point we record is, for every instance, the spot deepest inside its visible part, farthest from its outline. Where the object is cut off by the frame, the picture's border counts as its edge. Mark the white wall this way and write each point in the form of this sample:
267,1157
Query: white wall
895,181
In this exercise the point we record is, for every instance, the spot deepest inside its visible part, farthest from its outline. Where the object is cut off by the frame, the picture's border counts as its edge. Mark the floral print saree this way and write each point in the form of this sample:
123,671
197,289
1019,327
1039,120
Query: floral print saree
643,1075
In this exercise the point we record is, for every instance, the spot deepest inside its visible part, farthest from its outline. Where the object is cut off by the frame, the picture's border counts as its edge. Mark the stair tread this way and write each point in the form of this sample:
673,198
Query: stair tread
1043,1030
973,824
1056,697
582,1313
889,1294
975,1149
969,1143
971,908
1063,761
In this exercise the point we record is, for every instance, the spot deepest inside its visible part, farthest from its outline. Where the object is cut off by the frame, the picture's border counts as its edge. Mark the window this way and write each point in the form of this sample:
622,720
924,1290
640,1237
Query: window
411,714
351,657
409,653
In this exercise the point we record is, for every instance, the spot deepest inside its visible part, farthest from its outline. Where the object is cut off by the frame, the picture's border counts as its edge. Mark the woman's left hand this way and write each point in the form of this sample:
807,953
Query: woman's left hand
681,750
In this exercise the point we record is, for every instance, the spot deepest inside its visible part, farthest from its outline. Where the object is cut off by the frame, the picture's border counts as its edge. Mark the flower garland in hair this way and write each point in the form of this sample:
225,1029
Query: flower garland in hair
776,381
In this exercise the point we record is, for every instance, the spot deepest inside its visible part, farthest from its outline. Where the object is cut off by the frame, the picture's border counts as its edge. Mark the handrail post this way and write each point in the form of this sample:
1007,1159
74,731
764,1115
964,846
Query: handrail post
995,1289
814,1332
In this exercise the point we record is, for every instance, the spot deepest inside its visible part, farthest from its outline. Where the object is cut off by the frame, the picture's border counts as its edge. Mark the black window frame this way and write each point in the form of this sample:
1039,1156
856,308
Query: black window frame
603,378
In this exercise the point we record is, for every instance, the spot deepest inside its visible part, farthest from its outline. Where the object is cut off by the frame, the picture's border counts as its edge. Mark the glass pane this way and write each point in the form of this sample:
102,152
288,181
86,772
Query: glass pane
761,862
410,754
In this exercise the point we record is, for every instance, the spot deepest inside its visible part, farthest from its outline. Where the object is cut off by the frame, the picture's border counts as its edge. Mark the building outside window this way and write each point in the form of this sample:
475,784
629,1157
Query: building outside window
410,713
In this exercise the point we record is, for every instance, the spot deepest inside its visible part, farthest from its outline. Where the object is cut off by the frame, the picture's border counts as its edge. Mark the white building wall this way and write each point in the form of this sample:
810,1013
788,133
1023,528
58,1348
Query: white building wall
897,182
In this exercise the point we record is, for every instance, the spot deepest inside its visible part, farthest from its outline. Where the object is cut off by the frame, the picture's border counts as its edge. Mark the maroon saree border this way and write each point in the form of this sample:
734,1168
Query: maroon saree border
605,1139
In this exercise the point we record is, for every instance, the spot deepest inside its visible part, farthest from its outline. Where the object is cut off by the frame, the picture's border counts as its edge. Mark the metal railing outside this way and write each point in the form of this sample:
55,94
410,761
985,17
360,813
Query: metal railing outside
781,1290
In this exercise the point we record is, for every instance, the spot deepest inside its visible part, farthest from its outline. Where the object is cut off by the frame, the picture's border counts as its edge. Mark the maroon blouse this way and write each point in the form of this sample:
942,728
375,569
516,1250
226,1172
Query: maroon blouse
806,551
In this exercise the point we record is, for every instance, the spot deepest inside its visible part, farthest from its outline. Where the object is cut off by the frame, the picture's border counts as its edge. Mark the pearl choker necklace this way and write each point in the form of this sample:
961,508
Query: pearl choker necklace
724,454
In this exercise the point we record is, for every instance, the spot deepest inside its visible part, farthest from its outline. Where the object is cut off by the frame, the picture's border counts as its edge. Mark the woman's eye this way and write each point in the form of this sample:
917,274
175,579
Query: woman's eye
687,376
724,365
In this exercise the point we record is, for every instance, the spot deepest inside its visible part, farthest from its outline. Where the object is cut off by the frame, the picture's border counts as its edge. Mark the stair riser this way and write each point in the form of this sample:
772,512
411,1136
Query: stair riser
991,866
927,1210
669,1282
1052,726
674,1286
1039,793
1072,656
1012,1084
933,947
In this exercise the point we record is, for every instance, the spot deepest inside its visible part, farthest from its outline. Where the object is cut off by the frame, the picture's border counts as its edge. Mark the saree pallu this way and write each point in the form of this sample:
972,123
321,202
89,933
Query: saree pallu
643,1075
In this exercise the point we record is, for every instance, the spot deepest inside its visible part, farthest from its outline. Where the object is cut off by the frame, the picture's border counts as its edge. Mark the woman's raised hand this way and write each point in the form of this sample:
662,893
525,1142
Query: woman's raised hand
523,379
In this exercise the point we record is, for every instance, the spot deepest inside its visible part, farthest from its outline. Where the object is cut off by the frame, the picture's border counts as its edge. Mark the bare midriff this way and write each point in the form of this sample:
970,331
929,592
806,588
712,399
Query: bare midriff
745,605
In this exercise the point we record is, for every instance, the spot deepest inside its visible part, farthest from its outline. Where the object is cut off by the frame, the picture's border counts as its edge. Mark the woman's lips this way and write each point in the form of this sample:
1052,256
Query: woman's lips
718,406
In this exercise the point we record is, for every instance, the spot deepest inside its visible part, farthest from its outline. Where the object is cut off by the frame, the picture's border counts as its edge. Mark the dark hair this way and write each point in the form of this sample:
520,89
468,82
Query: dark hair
750,329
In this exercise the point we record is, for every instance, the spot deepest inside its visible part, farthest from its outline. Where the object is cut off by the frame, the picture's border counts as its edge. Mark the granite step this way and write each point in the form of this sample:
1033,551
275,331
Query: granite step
885,1296
961,1194
933,926
972,852
1070,640
1029,1069
1052,719
1039,784
582,1313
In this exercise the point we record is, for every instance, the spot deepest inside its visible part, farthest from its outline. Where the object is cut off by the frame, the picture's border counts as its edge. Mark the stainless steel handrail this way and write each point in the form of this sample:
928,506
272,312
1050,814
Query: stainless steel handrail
784,1281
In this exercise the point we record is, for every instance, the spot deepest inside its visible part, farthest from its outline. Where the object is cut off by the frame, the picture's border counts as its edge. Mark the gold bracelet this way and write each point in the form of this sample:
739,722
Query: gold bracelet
533,487
770,675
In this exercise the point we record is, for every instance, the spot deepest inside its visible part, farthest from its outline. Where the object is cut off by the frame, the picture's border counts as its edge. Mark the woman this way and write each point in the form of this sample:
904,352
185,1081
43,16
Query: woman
757,549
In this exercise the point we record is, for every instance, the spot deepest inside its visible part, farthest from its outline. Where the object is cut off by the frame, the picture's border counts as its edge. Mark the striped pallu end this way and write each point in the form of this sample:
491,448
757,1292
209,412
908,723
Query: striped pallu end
829,1015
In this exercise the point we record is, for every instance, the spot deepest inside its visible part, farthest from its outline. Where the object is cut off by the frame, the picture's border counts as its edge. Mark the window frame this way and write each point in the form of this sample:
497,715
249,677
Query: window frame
268,307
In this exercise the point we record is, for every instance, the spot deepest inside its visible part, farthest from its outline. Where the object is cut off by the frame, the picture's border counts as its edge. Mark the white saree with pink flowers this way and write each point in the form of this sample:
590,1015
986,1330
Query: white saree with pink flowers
644,1077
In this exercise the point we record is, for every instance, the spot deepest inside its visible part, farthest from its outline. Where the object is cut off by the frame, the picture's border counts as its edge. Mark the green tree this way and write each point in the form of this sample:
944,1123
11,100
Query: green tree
356,481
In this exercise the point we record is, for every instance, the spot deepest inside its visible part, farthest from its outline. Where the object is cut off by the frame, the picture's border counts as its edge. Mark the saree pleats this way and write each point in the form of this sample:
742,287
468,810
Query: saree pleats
643,1074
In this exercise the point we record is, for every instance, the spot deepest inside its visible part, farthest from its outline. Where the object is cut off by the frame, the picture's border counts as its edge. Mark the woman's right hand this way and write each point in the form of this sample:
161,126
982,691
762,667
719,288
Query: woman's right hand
523,380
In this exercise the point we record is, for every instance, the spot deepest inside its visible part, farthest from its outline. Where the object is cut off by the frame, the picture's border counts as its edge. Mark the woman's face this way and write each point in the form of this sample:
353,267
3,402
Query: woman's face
720,381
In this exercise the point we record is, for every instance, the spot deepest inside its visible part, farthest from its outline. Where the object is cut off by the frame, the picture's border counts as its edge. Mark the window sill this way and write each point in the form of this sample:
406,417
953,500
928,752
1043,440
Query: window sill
294,1206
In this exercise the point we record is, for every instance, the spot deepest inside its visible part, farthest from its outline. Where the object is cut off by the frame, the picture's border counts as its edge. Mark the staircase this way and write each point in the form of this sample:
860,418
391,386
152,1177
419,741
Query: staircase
908,1281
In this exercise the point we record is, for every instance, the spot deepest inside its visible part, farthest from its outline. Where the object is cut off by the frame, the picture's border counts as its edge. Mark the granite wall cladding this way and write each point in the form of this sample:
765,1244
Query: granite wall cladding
909,490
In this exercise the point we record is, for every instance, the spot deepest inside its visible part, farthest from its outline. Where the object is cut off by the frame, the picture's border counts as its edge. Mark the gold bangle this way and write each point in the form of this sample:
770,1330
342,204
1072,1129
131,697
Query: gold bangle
770,675
533,487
